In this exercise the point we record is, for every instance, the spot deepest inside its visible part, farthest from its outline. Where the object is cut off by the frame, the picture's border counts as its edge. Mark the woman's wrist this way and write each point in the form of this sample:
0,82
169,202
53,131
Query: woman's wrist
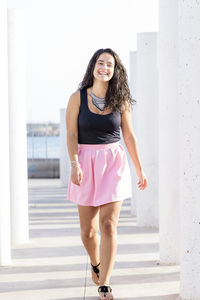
139,169
74,163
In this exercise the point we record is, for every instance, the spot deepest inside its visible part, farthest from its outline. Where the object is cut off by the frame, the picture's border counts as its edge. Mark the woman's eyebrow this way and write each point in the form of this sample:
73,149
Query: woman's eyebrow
109,62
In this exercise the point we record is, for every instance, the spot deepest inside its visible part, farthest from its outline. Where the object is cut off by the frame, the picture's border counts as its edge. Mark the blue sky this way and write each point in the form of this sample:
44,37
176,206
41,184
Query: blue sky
62,35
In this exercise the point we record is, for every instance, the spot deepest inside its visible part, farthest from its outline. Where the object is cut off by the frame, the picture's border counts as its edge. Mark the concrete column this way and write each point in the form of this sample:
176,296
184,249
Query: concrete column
64,157
18,143
169,225
189,107
132,86
147,126
5,251
132,72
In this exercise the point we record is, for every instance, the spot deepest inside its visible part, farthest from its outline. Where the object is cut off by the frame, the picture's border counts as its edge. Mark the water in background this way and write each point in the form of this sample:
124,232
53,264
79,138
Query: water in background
43,147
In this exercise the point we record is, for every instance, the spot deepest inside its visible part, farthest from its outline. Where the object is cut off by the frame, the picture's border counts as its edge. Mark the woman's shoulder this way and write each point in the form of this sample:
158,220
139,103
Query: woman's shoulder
75,94
74,99
125,106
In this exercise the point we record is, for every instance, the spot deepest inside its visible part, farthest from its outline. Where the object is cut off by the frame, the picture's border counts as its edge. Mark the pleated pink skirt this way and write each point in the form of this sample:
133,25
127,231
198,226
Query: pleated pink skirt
106,175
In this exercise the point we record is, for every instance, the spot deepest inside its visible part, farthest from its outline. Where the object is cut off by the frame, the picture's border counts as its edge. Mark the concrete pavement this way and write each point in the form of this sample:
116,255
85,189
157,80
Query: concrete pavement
55,266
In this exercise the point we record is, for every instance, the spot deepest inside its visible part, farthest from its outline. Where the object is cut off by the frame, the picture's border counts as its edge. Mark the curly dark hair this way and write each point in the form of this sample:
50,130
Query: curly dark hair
118,92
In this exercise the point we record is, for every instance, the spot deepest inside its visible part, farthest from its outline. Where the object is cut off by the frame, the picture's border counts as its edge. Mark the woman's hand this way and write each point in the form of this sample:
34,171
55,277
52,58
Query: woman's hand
76,174
142,183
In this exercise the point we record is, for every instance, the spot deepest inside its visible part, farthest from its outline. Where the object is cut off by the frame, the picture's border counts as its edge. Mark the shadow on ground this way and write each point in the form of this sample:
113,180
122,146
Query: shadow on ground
165,297
48,209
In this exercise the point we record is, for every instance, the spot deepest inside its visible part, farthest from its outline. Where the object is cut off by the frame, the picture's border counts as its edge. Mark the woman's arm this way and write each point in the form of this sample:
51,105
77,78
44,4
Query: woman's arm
132,147
72,112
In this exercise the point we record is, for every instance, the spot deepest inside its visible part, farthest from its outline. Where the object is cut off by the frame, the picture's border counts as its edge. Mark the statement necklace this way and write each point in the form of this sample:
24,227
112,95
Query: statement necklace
100,103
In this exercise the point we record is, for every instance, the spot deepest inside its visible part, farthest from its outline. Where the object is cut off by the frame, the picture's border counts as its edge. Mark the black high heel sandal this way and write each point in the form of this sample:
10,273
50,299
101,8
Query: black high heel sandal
106,290
96,270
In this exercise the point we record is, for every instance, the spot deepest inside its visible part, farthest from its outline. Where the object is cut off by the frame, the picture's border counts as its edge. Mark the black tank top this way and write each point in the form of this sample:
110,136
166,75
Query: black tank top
94,128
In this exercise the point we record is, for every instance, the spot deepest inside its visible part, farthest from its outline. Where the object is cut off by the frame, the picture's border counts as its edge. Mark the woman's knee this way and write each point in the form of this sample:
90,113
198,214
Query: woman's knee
108,227
88,233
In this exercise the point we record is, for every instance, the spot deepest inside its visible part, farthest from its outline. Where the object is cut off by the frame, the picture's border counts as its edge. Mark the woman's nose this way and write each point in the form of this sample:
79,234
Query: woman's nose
105,67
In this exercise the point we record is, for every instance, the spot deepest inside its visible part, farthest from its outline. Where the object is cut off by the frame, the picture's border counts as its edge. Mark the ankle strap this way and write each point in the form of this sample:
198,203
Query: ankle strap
104,289
95,266
96,270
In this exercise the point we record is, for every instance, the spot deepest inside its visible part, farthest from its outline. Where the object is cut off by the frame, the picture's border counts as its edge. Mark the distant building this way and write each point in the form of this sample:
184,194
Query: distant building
43,129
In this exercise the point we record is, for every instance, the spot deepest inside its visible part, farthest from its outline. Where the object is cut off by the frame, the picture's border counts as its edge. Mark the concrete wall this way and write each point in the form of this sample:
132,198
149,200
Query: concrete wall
147,126
169,216
189,131
132,86
5,249
17,127
44,168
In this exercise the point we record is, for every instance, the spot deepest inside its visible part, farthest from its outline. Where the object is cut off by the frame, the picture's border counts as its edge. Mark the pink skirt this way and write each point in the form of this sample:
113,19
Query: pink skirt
106,175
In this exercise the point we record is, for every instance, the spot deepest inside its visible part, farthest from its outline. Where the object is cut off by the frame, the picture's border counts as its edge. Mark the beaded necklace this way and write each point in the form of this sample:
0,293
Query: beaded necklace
100,103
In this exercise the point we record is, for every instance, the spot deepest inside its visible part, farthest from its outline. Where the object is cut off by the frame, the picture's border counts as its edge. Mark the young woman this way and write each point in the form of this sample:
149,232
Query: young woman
100,176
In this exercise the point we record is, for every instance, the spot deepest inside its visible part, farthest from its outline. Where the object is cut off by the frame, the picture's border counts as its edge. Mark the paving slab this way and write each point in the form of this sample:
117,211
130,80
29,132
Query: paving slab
54,265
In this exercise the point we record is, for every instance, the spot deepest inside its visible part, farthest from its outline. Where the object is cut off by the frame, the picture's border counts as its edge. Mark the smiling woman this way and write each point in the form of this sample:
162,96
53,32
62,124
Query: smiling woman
106,65
100,175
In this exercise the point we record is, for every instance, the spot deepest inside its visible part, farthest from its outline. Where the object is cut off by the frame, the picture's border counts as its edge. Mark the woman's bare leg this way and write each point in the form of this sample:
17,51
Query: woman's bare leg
108,220
89,223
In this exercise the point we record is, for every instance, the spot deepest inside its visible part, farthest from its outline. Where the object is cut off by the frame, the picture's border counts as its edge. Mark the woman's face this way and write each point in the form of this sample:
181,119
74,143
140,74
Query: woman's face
104,67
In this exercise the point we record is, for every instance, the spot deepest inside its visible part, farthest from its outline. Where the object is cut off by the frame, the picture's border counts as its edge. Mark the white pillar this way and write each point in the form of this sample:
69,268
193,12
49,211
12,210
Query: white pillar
5,251
64,158
147,126
132,85
189,107
132,72
17,111
169,216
